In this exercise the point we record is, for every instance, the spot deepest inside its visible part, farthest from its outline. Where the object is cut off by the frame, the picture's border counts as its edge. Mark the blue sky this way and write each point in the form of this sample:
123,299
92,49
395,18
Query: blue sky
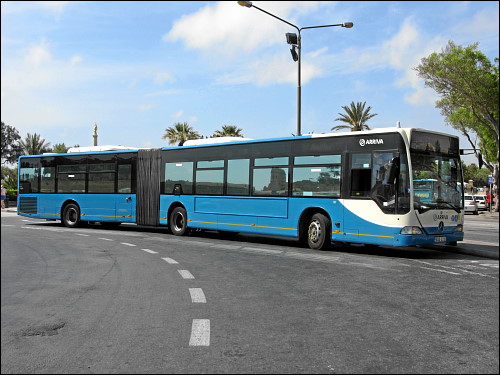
137,68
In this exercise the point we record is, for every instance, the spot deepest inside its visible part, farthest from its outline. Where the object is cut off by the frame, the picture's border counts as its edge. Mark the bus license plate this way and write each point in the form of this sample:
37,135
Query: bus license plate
439,239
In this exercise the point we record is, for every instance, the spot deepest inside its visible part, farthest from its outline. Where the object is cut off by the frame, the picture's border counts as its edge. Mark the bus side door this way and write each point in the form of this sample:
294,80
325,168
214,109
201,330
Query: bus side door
125,208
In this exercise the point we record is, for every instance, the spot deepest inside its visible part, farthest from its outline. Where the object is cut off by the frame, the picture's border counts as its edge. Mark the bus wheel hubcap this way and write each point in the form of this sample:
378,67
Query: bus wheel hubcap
314,231
179,222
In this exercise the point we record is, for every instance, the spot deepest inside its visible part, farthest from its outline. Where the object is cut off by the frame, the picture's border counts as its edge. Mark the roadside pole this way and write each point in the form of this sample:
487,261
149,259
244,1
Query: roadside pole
490,181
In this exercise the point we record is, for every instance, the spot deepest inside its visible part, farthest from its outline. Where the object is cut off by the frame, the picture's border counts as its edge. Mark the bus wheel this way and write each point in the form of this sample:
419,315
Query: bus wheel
178,221
71,215
318,232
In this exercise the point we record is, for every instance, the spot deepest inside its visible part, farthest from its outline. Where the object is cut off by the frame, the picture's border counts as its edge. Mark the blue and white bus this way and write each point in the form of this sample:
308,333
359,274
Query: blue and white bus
356,187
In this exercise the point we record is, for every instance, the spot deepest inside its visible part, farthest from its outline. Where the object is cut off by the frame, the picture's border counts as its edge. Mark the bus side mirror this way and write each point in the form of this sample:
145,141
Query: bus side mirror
394,171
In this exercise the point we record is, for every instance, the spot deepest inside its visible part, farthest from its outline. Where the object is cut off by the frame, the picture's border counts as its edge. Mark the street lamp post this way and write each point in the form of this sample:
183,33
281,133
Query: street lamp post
295,41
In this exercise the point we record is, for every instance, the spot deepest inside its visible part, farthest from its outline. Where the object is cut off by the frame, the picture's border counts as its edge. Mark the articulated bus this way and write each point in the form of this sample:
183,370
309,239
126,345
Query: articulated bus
356,187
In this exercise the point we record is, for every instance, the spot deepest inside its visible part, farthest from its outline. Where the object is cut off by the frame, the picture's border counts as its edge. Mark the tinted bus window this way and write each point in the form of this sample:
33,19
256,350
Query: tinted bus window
270,181
238,177
179,174
210,181
30,170
317,181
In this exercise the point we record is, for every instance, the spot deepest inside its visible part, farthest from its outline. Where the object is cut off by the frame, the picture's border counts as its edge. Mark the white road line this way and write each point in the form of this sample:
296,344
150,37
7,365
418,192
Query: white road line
185,274
83,235
197,295
127,244
433,269
260,250
200,333
471,242
105,239
150,251
170,261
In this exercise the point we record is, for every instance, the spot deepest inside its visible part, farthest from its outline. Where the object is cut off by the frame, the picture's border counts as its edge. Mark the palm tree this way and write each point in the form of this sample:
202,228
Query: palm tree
228,131
180,133
60,148
355,117
34,145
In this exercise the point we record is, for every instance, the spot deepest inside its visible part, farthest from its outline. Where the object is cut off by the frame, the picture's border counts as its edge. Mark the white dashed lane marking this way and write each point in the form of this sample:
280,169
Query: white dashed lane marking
197,295
170,261
200,333
185,274
150,251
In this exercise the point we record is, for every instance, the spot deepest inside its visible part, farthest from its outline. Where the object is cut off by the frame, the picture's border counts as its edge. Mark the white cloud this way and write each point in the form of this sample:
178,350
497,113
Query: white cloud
145,107
38,54
55,8
178,114
232,29
162,77
76,60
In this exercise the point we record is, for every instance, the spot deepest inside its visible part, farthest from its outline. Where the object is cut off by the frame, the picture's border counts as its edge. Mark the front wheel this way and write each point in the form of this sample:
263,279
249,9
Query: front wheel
71,215
178,221
319,232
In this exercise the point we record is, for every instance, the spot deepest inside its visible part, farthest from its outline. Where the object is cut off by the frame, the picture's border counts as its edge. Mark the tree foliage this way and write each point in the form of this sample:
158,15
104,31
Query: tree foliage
355,117
180,133
34,144
60,148
467,83
10,144
228,131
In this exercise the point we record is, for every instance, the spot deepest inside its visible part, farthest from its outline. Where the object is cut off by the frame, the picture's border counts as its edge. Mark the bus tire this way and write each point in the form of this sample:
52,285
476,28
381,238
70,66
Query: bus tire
71,215
319,232
178,221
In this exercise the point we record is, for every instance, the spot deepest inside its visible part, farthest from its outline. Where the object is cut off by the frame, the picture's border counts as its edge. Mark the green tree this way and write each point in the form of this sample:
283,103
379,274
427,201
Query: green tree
228,131
34,144
355,117
467,83
10,149
9,177
60,148
180,133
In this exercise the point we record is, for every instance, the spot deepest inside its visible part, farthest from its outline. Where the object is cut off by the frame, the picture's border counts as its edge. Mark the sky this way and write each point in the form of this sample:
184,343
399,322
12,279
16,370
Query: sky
136,68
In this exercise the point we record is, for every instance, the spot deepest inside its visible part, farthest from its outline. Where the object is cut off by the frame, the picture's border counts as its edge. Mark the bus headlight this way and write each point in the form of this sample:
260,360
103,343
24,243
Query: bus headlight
459,228
411,230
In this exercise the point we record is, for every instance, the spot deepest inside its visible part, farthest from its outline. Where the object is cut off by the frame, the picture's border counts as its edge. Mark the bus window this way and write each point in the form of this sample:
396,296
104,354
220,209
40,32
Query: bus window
210,177
238,177
30,169
270,181
47,175
180,173
361,174
383,189
316,176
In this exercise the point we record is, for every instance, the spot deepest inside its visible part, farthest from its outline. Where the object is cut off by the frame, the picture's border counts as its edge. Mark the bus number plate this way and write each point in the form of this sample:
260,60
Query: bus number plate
439,239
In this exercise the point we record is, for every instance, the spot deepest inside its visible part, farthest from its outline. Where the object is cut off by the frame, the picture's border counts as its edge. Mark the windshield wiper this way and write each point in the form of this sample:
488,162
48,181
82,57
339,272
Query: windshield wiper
449,204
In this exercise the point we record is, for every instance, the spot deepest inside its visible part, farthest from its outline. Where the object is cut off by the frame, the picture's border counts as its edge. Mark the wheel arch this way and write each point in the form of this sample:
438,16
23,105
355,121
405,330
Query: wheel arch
66,202
172,207
305,216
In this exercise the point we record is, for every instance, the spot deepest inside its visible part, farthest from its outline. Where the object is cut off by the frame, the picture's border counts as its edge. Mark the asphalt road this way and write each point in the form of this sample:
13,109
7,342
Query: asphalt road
132,300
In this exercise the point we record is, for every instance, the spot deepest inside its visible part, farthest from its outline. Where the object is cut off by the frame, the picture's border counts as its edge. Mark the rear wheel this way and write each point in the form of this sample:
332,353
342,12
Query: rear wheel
178,221
71,215
319,232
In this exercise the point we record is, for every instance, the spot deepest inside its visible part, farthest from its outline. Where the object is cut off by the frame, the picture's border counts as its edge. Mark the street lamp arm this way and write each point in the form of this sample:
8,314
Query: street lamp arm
296,42
281,19
345,24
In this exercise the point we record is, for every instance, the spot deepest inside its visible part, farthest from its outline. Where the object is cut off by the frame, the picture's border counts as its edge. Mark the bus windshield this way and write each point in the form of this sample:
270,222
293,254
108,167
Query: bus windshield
436,173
